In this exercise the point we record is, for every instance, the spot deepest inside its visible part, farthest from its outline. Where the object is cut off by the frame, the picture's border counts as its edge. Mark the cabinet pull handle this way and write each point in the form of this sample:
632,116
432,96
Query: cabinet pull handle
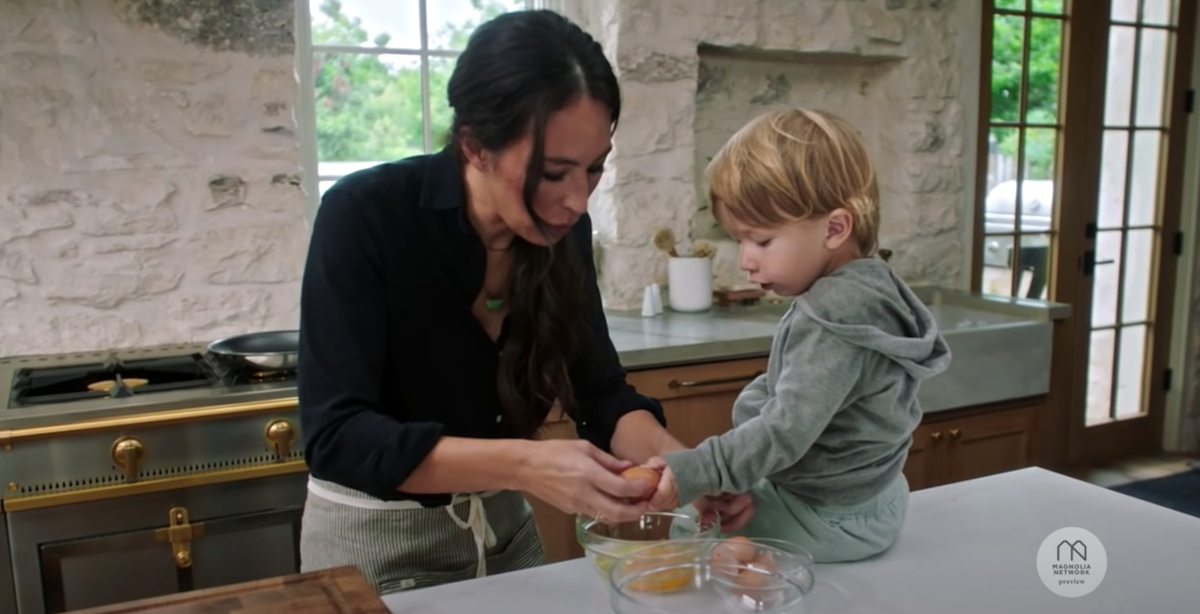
936,435
676,384
955,433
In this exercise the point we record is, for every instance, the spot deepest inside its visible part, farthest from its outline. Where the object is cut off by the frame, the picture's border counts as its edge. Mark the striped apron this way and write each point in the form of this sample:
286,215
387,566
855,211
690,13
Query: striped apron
399,545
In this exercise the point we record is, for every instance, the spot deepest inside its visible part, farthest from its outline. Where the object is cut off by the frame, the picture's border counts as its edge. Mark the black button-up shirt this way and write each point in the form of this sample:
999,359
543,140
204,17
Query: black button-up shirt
391,356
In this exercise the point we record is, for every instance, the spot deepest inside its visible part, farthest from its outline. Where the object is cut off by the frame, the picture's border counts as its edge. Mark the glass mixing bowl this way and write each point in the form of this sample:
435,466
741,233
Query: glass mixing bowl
715,576
604,543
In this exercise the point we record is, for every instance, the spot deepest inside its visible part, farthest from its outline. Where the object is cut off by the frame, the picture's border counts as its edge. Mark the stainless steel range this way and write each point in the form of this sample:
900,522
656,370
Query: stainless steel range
143,472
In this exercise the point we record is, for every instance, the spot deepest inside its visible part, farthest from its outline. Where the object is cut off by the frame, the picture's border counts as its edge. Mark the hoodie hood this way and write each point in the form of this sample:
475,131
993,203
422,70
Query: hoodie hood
866,304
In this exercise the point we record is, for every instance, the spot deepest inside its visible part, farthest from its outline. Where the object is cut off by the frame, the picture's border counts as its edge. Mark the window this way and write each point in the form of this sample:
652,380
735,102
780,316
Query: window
1023,129
378,78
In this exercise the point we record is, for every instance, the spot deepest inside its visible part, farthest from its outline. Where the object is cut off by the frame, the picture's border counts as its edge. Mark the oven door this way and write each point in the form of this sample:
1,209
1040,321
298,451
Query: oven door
103,570
111,551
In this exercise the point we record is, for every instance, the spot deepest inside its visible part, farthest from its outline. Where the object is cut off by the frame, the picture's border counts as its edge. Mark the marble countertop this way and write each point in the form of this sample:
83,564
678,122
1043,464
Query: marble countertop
966,547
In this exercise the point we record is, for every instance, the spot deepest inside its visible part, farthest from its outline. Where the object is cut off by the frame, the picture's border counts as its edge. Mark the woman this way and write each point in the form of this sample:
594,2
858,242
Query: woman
449,300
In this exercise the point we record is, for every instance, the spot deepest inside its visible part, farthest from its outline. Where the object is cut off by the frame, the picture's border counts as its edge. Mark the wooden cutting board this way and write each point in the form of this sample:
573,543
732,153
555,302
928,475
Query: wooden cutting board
341,590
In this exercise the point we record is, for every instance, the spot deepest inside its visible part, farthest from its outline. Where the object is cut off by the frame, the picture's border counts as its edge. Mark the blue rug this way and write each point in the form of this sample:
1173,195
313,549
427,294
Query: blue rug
1180,492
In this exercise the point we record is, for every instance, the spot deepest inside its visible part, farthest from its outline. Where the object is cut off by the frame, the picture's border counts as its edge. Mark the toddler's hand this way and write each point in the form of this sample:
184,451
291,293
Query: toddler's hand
665,498
735,509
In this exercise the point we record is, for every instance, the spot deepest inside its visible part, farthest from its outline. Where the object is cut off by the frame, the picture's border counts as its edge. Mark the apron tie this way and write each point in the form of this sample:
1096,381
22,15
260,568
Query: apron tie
477,523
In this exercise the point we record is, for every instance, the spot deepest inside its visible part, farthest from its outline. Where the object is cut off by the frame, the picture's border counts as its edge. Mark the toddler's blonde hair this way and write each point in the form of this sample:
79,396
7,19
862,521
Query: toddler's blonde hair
790,165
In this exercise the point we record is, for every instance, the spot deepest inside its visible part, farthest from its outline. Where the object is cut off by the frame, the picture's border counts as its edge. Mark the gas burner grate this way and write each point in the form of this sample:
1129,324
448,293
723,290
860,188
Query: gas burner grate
113,378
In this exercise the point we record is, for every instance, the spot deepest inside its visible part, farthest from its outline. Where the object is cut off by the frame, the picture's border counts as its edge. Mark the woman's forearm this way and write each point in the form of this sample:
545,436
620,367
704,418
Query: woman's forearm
639,437
463,465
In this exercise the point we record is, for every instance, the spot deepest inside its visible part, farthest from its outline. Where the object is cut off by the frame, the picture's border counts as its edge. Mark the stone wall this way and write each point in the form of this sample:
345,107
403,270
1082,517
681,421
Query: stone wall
149,169
149,177
693,71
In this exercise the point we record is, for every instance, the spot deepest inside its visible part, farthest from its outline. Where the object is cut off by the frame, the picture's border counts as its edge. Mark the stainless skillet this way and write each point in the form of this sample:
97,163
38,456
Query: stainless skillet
263,352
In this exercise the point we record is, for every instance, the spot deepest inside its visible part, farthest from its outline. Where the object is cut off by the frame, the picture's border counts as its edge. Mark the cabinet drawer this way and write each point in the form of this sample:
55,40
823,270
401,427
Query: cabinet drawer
691,380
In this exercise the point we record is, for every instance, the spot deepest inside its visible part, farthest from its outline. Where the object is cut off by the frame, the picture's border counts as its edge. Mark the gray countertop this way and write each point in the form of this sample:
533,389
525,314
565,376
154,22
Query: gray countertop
675,338
966,547
1001,347
725,333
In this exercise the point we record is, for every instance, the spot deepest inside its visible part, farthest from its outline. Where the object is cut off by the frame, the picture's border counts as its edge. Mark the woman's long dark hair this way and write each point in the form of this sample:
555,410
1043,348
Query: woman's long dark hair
516,71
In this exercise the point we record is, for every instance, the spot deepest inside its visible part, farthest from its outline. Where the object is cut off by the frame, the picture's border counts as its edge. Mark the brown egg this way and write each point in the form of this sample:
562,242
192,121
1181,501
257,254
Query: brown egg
740,548
723,562
763,560
752,579
750,586
650,476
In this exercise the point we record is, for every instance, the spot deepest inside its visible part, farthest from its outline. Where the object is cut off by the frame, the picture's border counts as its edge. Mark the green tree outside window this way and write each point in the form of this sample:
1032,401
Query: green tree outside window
368,106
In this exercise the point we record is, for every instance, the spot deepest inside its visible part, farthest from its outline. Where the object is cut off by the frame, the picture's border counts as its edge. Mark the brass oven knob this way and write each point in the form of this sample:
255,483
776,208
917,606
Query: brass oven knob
128,454
279,434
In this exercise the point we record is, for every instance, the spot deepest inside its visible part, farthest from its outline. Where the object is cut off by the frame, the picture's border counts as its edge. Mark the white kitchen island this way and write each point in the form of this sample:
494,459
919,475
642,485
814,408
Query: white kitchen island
970,547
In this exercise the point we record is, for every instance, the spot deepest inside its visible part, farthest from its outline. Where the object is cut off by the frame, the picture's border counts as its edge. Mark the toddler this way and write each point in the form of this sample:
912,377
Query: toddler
821,438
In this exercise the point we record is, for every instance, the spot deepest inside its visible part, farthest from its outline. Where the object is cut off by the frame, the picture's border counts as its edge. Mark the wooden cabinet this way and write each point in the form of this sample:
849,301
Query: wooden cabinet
970,444
698,399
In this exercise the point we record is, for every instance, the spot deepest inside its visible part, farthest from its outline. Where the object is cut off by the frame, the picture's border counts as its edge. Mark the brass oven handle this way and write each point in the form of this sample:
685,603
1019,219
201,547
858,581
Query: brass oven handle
279,434
128,454
180,532
676,384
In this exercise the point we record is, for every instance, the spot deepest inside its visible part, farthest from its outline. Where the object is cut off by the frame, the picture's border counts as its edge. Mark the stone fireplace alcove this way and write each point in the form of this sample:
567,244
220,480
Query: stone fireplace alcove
734,87
694,71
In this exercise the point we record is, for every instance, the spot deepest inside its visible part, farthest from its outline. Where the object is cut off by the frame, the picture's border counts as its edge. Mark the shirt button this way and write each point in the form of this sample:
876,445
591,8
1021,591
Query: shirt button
499,419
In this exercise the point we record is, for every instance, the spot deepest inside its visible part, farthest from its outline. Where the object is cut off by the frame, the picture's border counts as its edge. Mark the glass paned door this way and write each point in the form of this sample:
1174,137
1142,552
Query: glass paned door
1024,129
1127,235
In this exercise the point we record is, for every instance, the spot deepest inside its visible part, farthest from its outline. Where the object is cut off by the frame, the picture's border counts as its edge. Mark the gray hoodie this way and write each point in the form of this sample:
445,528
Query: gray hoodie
832,418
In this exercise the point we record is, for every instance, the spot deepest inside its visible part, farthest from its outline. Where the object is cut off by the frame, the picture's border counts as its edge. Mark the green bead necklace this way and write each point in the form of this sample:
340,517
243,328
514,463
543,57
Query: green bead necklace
493,304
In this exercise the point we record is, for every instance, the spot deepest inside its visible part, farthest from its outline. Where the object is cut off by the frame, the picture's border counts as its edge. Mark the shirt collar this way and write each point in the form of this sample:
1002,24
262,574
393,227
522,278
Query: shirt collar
443,187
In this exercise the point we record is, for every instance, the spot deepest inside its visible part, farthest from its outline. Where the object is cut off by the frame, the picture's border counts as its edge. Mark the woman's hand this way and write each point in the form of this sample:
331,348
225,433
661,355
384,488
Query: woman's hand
579,478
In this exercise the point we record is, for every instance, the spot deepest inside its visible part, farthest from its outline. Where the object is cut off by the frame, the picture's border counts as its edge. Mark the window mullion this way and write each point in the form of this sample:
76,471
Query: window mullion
425,129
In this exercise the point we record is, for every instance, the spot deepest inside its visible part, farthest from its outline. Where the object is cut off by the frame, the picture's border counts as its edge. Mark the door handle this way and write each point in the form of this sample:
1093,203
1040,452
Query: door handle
1089,262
